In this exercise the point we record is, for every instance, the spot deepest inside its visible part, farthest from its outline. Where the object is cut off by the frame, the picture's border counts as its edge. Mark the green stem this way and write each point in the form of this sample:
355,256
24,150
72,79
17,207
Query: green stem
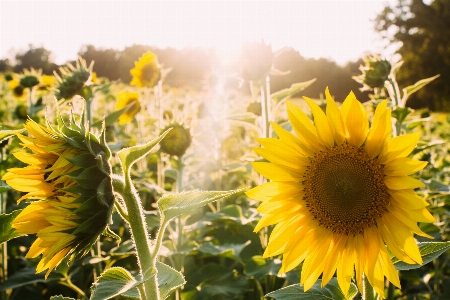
180,224
4,250
395,98
30,104
367,293
138,226
391,290
265,105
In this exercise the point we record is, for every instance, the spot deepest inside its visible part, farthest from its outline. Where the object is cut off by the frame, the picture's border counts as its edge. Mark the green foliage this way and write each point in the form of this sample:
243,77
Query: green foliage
6,231
428,251
329,292
422,30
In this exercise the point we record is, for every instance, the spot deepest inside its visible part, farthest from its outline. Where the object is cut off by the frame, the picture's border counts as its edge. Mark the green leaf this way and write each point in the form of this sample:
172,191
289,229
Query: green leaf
109,233
329,292
169,280
228,250
61,297
400,113
409,90
173,205
112,117
111,283
128,156
259,267
6,231
25,276
4,134
4,188
289,92
428,251
435,186
396,67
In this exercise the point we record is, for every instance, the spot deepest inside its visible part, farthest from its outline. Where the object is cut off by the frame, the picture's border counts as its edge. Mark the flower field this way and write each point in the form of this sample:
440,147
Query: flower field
140,190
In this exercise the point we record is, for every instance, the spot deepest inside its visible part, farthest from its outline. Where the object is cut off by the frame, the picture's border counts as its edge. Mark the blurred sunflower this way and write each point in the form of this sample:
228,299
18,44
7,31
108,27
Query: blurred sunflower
125,99
46,82
72,79
340,195
71,191
17,89
147,71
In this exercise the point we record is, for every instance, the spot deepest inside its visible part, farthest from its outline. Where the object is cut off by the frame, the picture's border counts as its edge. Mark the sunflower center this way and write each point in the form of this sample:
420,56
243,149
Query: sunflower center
148,73
344,189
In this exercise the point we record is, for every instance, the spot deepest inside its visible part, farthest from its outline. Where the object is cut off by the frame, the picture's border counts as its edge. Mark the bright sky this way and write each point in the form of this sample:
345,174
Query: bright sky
341,30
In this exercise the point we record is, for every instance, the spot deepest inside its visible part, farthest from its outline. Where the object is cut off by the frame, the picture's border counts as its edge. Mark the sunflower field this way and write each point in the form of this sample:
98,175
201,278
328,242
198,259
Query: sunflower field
140,190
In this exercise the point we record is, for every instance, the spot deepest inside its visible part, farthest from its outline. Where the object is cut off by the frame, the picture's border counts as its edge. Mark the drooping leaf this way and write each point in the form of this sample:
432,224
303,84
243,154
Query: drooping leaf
428,251
409,90
228,250
329,292
176,204
4,134
289,92
4,188
111,283
128,156
6,231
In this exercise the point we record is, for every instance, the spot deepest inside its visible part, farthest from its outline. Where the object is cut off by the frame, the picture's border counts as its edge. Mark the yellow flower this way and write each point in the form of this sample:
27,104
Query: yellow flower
70,188
94,77
340,195
46,82
17,89
126,98
146,72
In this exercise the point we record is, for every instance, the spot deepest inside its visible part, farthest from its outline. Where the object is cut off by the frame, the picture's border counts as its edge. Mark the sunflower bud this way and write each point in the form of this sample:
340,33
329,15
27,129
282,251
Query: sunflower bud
257,61
147,71
30,78
21,112
68,182
374,73
176,140
72,80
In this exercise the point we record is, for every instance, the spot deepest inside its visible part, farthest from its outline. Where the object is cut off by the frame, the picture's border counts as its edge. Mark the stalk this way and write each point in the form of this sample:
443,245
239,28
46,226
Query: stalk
367,293
138,226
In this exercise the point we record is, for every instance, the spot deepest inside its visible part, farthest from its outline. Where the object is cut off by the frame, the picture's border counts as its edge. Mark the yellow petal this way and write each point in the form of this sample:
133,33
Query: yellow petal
281,158
400,146
403,166
402,182
396,250
356,121
335,119
324,131
275,172
291,140
271,189
376,138
345,267
408,198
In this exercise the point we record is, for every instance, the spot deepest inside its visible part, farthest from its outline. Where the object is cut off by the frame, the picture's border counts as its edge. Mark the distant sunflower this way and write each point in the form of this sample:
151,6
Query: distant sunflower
147,71
340,195
70,188
126,98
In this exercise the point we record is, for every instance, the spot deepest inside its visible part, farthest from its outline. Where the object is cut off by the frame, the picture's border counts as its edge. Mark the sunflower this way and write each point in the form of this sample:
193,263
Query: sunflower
70,190
146,72
340,195
125,99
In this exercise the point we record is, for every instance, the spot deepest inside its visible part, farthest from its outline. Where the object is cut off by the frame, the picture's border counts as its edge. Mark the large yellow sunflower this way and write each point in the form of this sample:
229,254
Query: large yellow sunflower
125,99
69,184
340,195
146,72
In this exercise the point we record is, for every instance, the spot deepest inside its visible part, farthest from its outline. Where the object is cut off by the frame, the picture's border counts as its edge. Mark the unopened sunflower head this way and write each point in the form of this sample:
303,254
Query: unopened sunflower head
340,194
128,99
30,78
176,141
147,71
374,73
68,182
257,60
72,80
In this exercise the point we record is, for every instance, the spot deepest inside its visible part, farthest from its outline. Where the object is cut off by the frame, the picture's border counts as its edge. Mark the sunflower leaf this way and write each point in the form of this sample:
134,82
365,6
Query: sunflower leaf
112,117
113,282
409,90
173,205
289,92
428,251
6,231
4,188
4,134
329,292
128,156
169,280
61,297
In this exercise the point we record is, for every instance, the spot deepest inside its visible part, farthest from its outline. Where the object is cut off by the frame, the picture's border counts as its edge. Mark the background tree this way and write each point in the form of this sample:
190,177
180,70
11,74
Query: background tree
37,58
424,34
105,61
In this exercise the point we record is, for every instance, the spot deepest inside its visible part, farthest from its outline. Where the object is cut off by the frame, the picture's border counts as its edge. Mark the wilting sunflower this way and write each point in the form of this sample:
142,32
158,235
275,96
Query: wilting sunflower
68,183
147,71
125,99
340,195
